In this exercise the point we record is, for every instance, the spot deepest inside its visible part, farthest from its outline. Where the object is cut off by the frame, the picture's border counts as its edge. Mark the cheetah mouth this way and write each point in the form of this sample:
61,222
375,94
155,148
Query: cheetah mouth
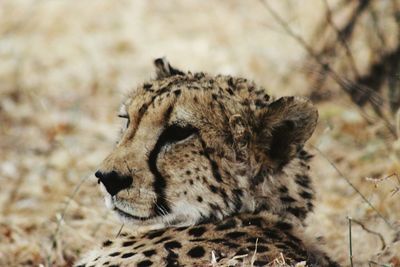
126,215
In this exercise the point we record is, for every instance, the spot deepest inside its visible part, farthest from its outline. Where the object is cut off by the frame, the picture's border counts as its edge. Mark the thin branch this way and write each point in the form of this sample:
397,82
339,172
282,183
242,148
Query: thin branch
350,243
348,86
63,212
341,38
371,232
354,188
120,230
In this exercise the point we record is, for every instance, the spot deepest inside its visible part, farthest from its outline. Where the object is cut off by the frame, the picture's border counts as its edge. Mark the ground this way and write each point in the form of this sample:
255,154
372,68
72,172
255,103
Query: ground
64,68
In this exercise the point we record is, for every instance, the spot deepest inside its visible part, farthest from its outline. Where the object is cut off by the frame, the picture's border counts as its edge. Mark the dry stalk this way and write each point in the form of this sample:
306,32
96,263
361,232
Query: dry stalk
347,85
354,187
377,181
350,243
61,216
371,232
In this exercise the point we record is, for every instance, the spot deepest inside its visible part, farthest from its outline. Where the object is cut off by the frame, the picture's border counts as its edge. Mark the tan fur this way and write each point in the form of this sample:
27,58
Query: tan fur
241,159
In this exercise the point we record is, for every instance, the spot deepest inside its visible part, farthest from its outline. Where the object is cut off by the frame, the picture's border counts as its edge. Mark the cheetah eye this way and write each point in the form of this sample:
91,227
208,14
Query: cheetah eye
125,117
175,133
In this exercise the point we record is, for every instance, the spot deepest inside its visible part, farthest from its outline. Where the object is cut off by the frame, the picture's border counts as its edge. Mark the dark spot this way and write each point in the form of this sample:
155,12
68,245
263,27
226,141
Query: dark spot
303,180
172,244
259,263
188,172
282,246
235,234
271,234
196,252
283,226
198,231
283,189
242,251
218,240
163,240
155,233
172,259
293,239
259,177
199,199
227,225
238,192
177,92
107,243
260,103
114,254
149,253
147,86
172,263
306,195
145,263
223,193
182,228
128,243
255,221
128,255
213,189
214,166
142,110
139,246
287,199
191,181
298,212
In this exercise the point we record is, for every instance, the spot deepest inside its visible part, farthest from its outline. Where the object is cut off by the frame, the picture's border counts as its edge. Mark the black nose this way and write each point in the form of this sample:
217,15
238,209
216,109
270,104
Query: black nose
113,181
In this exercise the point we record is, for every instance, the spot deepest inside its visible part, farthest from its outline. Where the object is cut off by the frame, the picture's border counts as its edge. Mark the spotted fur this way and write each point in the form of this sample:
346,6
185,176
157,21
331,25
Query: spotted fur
217,165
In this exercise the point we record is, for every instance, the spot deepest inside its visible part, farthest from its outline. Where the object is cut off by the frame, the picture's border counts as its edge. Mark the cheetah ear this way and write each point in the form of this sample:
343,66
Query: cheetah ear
164,69
285,125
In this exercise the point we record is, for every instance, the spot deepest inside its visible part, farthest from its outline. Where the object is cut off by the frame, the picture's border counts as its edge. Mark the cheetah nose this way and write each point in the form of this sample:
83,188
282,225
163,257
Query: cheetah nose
113,181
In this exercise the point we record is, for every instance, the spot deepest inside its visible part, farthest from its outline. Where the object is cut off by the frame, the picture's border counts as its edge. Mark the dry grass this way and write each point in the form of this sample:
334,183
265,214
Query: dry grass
64,66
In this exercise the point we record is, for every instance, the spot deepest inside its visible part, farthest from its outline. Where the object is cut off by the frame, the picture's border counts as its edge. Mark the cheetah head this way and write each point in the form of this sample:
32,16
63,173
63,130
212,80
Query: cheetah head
197,147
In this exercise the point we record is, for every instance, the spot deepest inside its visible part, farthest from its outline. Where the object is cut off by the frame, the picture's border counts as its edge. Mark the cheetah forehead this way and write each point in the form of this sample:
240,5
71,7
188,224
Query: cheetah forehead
197,93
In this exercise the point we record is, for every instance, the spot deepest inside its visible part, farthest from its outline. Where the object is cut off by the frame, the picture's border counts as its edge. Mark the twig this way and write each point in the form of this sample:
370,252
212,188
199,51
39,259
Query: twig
354,187
371,232
378,264
63,212
342,40
253,258
376,181
348,86
120,230
350,243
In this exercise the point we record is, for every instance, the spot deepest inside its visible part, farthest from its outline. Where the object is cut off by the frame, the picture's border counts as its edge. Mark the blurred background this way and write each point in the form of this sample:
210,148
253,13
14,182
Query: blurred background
66,65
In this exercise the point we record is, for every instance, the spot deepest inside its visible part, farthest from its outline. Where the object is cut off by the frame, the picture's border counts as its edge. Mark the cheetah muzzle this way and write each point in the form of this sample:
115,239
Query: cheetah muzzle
217,166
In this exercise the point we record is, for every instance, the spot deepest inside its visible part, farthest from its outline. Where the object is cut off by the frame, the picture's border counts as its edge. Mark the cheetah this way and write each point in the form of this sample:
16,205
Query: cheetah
216,168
